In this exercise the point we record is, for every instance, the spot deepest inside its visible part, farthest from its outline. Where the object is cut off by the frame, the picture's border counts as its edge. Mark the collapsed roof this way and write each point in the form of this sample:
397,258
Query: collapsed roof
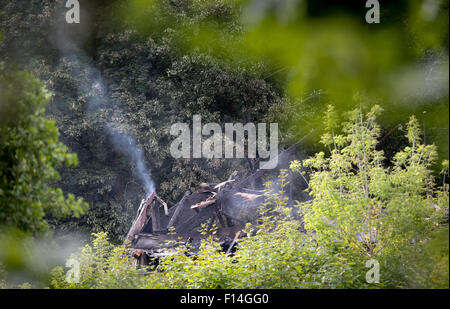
230,204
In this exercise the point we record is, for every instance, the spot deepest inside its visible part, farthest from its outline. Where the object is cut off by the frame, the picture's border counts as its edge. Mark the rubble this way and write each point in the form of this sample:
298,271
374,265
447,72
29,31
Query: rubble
158,229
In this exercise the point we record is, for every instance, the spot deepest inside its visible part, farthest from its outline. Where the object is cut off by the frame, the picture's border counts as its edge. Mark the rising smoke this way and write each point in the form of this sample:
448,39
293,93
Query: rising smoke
126,145
94,88
123,142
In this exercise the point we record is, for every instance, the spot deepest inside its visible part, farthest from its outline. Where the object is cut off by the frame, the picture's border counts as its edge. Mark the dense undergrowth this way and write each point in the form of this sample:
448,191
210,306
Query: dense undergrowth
361,211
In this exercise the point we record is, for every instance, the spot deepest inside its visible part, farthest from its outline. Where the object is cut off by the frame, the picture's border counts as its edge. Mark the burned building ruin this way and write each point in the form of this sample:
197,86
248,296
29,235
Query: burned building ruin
158,228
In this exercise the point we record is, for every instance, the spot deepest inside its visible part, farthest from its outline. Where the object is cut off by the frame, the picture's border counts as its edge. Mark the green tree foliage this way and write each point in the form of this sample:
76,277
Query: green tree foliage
146,93
360,202
323,53
361,210
421,265
29,155
159,62
274,254
102,265
149,83
162,61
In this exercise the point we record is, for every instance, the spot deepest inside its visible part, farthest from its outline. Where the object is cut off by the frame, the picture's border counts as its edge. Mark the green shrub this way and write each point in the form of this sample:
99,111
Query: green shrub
361,210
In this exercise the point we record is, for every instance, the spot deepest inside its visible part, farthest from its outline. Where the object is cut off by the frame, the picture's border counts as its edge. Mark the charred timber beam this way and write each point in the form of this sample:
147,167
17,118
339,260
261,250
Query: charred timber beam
155,217
141,219
252,191
166,209
233,242
178,208
203,204
221,185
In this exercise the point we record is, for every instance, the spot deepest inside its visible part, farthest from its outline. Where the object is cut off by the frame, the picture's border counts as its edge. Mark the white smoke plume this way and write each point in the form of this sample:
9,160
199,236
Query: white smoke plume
95,89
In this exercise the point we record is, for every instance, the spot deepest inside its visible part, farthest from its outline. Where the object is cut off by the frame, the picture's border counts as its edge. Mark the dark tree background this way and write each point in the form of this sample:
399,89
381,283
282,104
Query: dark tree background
147,71
149,85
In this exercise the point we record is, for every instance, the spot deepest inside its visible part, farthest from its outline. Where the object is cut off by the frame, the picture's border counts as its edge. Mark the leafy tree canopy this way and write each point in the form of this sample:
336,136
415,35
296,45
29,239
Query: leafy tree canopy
29,155
360,202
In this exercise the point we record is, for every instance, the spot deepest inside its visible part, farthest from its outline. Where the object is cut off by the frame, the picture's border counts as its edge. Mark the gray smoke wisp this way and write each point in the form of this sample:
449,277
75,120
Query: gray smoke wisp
126,145
123,142
93,87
